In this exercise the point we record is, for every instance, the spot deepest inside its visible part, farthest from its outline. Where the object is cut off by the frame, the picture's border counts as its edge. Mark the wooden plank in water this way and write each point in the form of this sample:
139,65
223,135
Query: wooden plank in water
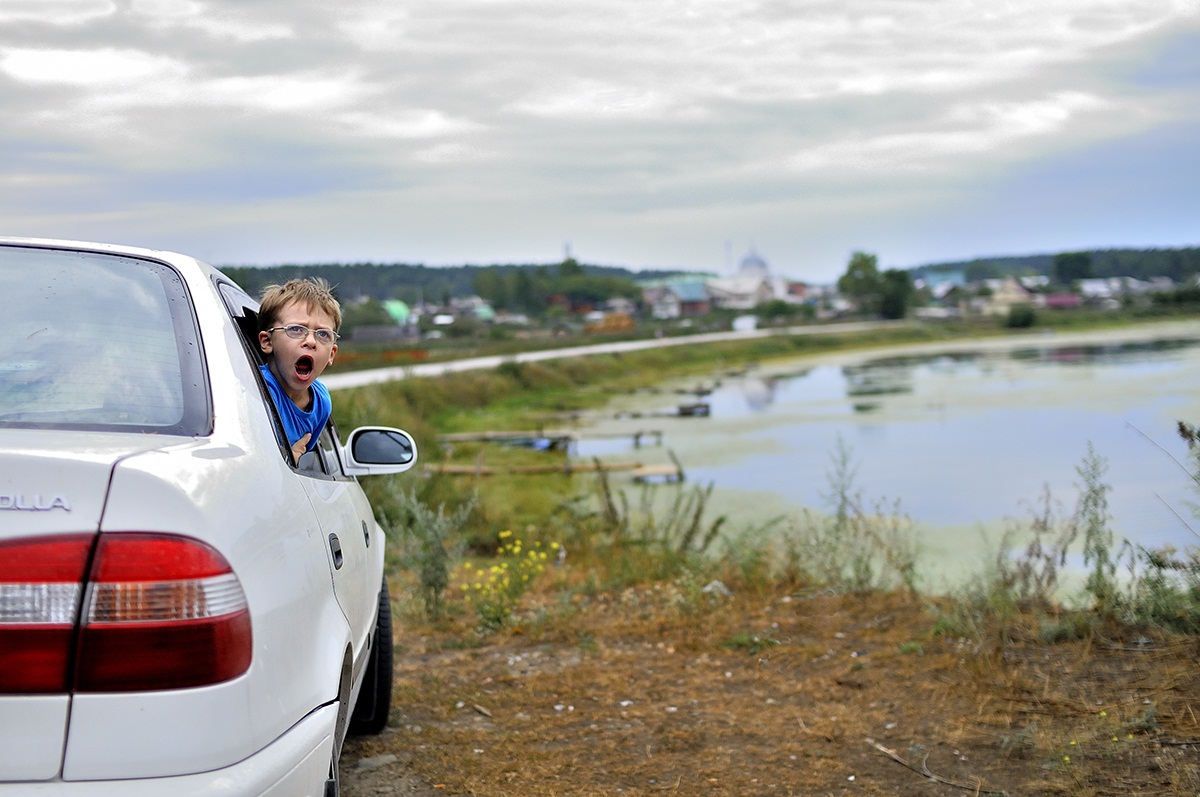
670,473
565,467
484,437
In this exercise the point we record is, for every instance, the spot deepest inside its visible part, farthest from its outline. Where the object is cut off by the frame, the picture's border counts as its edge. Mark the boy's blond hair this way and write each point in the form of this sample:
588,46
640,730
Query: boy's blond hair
314,294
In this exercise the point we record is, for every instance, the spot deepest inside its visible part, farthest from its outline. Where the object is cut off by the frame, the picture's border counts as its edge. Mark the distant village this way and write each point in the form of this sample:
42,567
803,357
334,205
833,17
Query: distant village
752,294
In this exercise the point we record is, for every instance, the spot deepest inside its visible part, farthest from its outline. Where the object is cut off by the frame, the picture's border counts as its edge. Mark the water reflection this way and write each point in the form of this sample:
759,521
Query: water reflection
759,392
876,380
963,438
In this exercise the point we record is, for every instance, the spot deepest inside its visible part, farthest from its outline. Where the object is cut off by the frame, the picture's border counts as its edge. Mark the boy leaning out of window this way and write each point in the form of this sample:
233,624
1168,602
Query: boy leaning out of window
298,335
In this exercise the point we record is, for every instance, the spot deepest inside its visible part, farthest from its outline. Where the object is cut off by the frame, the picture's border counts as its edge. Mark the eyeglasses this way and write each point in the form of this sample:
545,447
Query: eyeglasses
300,332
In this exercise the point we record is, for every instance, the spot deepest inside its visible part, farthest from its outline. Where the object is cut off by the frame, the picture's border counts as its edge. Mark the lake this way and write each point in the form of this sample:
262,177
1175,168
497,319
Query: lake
966,436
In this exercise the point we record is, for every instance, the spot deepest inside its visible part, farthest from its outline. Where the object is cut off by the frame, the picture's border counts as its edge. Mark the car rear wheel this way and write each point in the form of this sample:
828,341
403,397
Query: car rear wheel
333,785
375,698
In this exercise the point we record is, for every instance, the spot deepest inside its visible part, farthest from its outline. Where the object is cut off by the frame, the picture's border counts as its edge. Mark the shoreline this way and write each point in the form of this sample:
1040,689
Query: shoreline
1047,337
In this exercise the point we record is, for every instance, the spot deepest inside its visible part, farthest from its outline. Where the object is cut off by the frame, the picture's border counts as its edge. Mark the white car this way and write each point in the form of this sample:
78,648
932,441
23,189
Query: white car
182,611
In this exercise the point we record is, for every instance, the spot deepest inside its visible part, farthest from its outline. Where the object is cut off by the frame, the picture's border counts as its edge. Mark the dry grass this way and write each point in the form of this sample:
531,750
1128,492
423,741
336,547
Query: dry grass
651,690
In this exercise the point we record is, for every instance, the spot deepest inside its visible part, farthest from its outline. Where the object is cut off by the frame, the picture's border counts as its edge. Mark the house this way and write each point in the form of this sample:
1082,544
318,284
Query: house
677,299
472,307
1006,294
621,304
662,301
1062,301
743,292
1098,288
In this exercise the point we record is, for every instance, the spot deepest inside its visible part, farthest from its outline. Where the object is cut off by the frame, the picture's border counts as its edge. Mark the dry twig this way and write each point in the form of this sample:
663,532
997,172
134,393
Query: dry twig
924,772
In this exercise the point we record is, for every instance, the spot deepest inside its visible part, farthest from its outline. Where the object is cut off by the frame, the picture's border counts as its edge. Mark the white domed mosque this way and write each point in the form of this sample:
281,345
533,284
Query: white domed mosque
751,286
753,265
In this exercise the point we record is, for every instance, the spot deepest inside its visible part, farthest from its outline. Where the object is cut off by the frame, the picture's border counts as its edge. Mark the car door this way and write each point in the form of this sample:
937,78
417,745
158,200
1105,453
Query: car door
348,527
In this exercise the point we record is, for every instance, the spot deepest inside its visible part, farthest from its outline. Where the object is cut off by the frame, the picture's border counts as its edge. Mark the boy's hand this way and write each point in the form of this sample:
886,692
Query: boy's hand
299,446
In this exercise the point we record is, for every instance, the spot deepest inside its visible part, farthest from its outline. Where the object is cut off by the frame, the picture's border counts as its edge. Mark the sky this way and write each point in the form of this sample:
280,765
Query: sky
636,133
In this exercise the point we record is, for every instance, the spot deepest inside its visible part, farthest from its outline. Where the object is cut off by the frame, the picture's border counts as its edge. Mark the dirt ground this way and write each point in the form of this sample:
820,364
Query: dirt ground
640,694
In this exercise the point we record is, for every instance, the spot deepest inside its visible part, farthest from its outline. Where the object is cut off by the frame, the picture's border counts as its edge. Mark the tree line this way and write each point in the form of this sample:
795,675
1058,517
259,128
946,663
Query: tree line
1179,264
526,288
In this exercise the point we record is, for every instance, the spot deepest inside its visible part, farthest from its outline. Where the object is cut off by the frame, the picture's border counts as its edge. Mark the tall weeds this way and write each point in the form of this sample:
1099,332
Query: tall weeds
855,547
1159,588
646,540
1092,518
1162,585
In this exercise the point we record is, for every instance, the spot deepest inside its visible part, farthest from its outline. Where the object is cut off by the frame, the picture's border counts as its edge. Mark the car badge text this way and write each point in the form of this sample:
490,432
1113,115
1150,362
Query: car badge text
33,503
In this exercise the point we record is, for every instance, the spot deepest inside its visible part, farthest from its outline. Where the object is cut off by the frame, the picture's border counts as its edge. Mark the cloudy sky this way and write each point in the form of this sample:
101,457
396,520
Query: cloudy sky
642,133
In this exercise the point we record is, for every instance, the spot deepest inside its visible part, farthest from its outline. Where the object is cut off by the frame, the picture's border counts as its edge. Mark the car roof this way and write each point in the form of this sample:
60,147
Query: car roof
165,256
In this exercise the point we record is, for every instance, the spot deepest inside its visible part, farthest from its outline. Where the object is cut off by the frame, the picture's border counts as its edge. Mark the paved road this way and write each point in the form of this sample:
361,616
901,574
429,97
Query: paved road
375,376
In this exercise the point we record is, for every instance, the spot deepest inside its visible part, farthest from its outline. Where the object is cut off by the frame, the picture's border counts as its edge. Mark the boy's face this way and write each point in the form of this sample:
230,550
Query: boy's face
297,362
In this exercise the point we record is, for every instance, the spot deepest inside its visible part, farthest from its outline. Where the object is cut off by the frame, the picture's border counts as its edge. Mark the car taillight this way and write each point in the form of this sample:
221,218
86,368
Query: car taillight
40,586
158,612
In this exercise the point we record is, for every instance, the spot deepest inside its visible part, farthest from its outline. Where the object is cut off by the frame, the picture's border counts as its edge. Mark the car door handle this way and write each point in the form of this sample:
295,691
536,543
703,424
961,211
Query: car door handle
335,545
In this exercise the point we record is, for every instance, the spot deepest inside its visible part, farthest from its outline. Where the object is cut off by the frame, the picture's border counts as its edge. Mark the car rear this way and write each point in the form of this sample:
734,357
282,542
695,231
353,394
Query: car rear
166,625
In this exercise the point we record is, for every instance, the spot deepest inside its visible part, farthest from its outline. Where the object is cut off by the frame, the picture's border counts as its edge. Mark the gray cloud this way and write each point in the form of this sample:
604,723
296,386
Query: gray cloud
644,133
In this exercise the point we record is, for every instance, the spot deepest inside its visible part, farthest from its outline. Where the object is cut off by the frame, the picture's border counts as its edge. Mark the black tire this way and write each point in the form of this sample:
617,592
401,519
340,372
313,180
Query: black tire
333,785
374,702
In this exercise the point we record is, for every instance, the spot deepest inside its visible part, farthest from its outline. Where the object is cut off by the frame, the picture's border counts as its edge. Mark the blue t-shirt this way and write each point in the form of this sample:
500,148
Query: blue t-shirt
298,422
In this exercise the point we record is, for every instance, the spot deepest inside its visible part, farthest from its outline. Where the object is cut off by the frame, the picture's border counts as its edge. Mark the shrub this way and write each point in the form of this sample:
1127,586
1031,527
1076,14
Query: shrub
1163,589
1020,316
429,538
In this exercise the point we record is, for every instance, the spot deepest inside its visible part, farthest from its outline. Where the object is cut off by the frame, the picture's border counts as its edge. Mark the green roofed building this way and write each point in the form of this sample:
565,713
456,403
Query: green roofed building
398,310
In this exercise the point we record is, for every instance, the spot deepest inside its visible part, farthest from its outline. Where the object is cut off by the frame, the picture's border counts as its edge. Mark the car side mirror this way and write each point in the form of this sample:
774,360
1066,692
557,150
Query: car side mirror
377,450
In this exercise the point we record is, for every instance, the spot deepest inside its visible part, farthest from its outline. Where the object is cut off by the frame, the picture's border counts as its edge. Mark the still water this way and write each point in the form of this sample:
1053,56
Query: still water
965,437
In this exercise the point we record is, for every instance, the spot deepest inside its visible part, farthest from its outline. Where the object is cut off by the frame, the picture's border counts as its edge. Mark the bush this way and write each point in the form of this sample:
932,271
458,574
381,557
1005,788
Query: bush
1020,316
429,539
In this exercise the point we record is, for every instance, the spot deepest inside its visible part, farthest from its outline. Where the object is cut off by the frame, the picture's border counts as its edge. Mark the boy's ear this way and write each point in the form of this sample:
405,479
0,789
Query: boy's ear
264,342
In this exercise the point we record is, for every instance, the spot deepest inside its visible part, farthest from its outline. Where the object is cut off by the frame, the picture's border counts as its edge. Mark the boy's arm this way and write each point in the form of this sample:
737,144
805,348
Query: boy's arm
299,447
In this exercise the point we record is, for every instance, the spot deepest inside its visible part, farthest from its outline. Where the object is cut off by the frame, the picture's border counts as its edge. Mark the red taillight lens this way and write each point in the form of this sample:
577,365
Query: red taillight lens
40,585
160,612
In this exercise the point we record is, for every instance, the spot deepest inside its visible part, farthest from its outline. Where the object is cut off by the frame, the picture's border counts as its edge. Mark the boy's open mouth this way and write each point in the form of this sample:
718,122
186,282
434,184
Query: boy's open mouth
304,366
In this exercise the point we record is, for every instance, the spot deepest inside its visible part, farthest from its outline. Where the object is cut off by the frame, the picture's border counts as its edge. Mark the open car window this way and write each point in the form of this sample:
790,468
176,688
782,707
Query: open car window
323,461
102,342
244,312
